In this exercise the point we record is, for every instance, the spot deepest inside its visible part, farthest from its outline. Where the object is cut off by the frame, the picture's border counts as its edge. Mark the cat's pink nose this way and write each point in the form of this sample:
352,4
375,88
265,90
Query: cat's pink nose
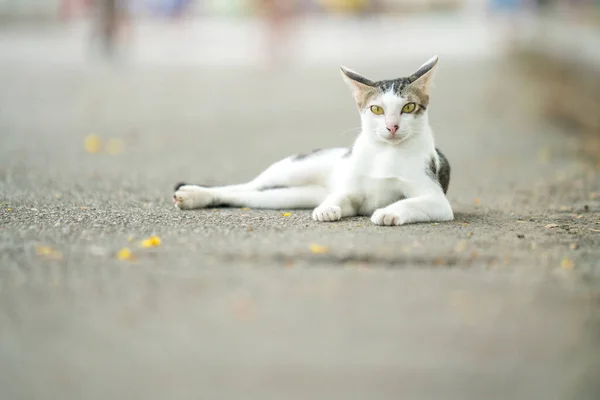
393,129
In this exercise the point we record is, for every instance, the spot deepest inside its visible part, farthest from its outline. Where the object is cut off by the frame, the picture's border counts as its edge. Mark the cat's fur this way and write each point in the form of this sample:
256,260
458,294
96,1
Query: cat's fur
393,173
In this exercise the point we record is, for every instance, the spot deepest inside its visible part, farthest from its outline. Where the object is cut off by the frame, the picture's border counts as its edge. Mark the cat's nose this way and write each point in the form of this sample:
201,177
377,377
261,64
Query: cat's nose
392,129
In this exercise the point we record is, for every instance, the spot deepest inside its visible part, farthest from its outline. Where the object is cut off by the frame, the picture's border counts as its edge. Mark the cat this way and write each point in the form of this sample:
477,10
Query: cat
393,172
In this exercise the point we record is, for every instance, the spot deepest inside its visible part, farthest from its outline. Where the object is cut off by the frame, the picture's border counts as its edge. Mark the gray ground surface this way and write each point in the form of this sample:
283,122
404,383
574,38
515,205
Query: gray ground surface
233,304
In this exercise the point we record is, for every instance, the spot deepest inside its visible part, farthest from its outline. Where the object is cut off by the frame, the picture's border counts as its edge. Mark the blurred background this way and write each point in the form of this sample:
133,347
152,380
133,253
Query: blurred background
558,40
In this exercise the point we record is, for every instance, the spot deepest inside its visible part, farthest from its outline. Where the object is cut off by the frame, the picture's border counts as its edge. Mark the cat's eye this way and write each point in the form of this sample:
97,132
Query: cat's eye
377,110
408,108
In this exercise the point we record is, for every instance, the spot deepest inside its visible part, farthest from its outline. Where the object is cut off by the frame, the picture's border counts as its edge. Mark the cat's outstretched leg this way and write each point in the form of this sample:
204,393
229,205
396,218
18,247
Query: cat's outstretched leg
308,172
191,197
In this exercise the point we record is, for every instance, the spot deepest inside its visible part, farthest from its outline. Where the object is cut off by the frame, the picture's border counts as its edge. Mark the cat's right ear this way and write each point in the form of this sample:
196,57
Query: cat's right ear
358,84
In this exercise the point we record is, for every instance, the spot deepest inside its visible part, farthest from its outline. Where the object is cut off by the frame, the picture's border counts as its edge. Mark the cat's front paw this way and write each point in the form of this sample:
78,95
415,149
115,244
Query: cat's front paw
327,213
387,217
189,197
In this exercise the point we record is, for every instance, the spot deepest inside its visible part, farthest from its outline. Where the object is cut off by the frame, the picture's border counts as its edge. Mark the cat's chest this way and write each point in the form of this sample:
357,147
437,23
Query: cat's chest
377,193
385,177
384,169
383,165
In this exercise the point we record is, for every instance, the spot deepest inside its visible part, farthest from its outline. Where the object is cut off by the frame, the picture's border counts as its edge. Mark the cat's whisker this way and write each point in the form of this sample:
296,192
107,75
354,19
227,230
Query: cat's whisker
357,129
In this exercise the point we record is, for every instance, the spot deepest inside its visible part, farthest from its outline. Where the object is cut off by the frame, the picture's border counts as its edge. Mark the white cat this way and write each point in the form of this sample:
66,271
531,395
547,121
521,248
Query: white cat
393,173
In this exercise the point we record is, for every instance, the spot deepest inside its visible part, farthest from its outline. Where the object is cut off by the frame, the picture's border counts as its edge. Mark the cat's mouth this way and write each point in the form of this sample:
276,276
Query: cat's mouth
395,139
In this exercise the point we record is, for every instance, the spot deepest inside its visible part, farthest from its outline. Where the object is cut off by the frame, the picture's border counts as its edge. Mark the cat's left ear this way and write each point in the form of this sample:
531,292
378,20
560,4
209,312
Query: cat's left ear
424,76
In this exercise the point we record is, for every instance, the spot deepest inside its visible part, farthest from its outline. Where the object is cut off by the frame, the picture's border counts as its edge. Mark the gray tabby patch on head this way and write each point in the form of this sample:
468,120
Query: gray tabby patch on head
414,87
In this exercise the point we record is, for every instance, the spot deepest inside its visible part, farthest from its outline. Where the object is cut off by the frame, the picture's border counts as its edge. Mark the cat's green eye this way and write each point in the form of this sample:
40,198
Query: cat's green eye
408,108
377,110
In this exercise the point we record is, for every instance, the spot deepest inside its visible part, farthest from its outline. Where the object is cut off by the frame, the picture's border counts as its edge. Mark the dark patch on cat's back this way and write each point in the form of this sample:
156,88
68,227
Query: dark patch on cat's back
432,168
441,174
318,152
299,157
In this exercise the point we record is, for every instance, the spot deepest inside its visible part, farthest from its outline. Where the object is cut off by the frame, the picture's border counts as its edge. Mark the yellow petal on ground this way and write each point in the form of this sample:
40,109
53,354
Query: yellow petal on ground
287,214
43,250
8,209
125,254
48,252
92,144
318,249
245,208
476,201
114,146
152,241
567,263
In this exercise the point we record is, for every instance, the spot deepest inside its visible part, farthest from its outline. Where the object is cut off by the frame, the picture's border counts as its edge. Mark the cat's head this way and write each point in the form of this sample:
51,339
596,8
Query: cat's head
393,110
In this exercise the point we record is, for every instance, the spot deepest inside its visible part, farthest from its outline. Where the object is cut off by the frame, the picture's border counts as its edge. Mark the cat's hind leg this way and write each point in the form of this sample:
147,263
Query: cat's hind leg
311,172
192,197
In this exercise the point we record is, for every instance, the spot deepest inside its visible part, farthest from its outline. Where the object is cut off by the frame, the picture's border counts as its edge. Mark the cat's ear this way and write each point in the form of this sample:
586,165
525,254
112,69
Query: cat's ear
358,84
424,76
